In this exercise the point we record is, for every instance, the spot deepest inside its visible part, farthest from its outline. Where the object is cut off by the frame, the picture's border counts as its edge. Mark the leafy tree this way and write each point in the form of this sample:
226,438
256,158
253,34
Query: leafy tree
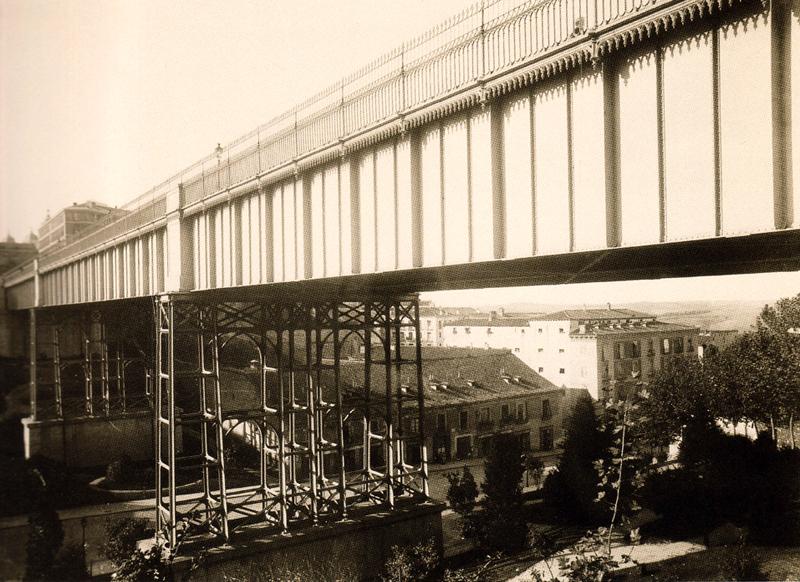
572,488
501,525
677,396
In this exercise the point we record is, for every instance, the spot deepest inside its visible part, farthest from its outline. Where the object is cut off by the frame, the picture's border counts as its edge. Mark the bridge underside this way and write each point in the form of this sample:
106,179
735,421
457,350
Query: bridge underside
280,411
758,253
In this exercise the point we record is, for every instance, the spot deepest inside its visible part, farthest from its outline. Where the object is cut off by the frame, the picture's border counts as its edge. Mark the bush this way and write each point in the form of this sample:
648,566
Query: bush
120,471
462,492
121,537
742,562
144,566
729,478
412,563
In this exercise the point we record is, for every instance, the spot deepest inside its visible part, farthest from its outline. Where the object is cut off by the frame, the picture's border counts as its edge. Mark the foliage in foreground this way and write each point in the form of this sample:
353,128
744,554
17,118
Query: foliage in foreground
412,563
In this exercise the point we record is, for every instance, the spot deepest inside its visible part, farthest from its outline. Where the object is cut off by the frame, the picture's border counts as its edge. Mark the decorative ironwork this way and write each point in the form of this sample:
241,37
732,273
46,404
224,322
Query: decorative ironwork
290,412
86,364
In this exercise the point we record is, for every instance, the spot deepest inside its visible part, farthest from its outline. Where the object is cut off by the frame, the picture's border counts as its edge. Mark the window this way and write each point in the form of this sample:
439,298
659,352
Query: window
488,330
516,349
539,330
546,438
560,330
413,425
462,419
677,345
504,411
467,330
522,411
441,422
547,411
484,415
665,346
455,330
561,371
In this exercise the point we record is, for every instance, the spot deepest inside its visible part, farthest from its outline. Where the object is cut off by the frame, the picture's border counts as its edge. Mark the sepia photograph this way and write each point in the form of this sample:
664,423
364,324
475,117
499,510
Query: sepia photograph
420,291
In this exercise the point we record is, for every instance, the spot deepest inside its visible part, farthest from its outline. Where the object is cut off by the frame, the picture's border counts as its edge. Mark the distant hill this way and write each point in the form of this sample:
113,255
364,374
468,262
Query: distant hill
738,315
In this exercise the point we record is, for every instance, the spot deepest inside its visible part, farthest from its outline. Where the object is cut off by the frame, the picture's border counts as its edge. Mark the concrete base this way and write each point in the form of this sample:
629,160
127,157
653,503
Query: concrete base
355,549
90,441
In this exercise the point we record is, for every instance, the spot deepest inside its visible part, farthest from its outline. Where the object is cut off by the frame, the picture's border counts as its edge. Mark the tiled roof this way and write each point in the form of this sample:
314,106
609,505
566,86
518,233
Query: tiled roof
571,314
487,322
461,375
652,326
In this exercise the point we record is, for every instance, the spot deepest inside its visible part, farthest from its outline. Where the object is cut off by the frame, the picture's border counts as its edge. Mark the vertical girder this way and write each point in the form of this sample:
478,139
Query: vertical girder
82,362
299,432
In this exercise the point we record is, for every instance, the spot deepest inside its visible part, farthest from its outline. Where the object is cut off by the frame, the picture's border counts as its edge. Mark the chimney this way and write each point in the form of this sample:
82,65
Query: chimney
501,311
492,315
609,306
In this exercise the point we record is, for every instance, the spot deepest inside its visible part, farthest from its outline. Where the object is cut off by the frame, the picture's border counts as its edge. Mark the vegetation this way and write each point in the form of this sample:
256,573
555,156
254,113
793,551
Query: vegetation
416,563
500,525
462,494
121,537
572,488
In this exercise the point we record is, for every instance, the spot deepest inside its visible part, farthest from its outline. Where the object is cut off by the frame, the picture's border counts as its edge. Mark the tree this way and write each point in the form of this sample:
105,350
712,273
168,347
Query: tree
462,492
501,525
677,396
572,488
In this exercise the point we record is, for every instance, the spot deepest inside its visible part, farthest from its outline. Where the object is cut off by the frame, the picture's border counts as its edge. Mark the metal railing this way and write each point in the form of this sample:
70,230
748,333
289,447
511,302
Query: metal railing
480,42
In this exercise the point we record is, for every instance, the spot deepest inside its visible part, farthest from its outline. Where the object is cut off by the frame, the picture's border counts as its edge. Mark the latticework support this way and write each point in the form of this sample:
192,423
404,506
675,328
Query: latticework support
280,403
87,363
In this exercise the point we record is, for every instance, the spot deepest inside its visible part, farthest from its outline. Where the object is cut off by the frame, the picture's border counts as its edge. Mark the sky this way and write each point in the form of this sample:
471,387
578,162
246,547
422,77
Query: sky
103,99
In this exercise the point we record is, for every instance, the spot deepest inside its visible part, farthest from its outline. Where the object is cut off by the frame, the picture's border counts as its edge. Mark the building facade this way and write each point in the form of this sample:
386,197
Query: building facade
605,350
471,395
69,222
494,331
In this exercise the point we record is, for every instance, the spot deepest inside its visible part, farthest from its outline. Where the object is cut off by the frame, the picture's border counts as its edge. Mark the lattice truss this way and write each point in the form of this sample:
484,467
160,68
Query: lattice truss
288,413
90,362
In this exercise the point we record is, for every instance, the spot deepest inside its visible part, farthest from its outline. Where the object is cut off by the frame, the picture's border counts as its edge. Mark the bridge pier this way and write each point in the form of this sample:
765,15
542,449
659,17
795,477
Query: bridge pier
323,391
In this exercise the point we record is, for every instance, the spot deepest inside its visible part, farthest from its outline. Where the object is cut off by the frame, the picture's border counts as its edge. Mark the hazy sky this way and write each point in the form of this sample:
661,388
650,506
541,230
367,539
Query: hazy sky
103,99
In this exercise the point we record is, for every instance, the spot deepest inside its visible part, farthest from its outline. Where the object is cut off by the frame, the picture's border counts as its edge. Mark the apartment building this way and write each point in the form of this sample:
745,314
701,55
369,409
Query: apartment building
604,351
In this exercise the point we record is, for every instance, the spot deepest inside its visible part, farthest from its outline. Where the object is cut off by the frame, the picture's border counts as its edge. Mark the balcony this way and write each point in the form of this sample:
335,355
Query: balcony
485,425
513,420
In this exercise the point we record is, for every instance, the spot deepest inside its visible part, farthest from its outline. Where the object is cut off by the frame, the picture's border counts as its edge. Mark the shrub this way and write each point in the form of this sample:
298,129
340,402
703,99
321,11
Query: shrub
120,471
412,563
462,492
121,537
144,566
741,562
